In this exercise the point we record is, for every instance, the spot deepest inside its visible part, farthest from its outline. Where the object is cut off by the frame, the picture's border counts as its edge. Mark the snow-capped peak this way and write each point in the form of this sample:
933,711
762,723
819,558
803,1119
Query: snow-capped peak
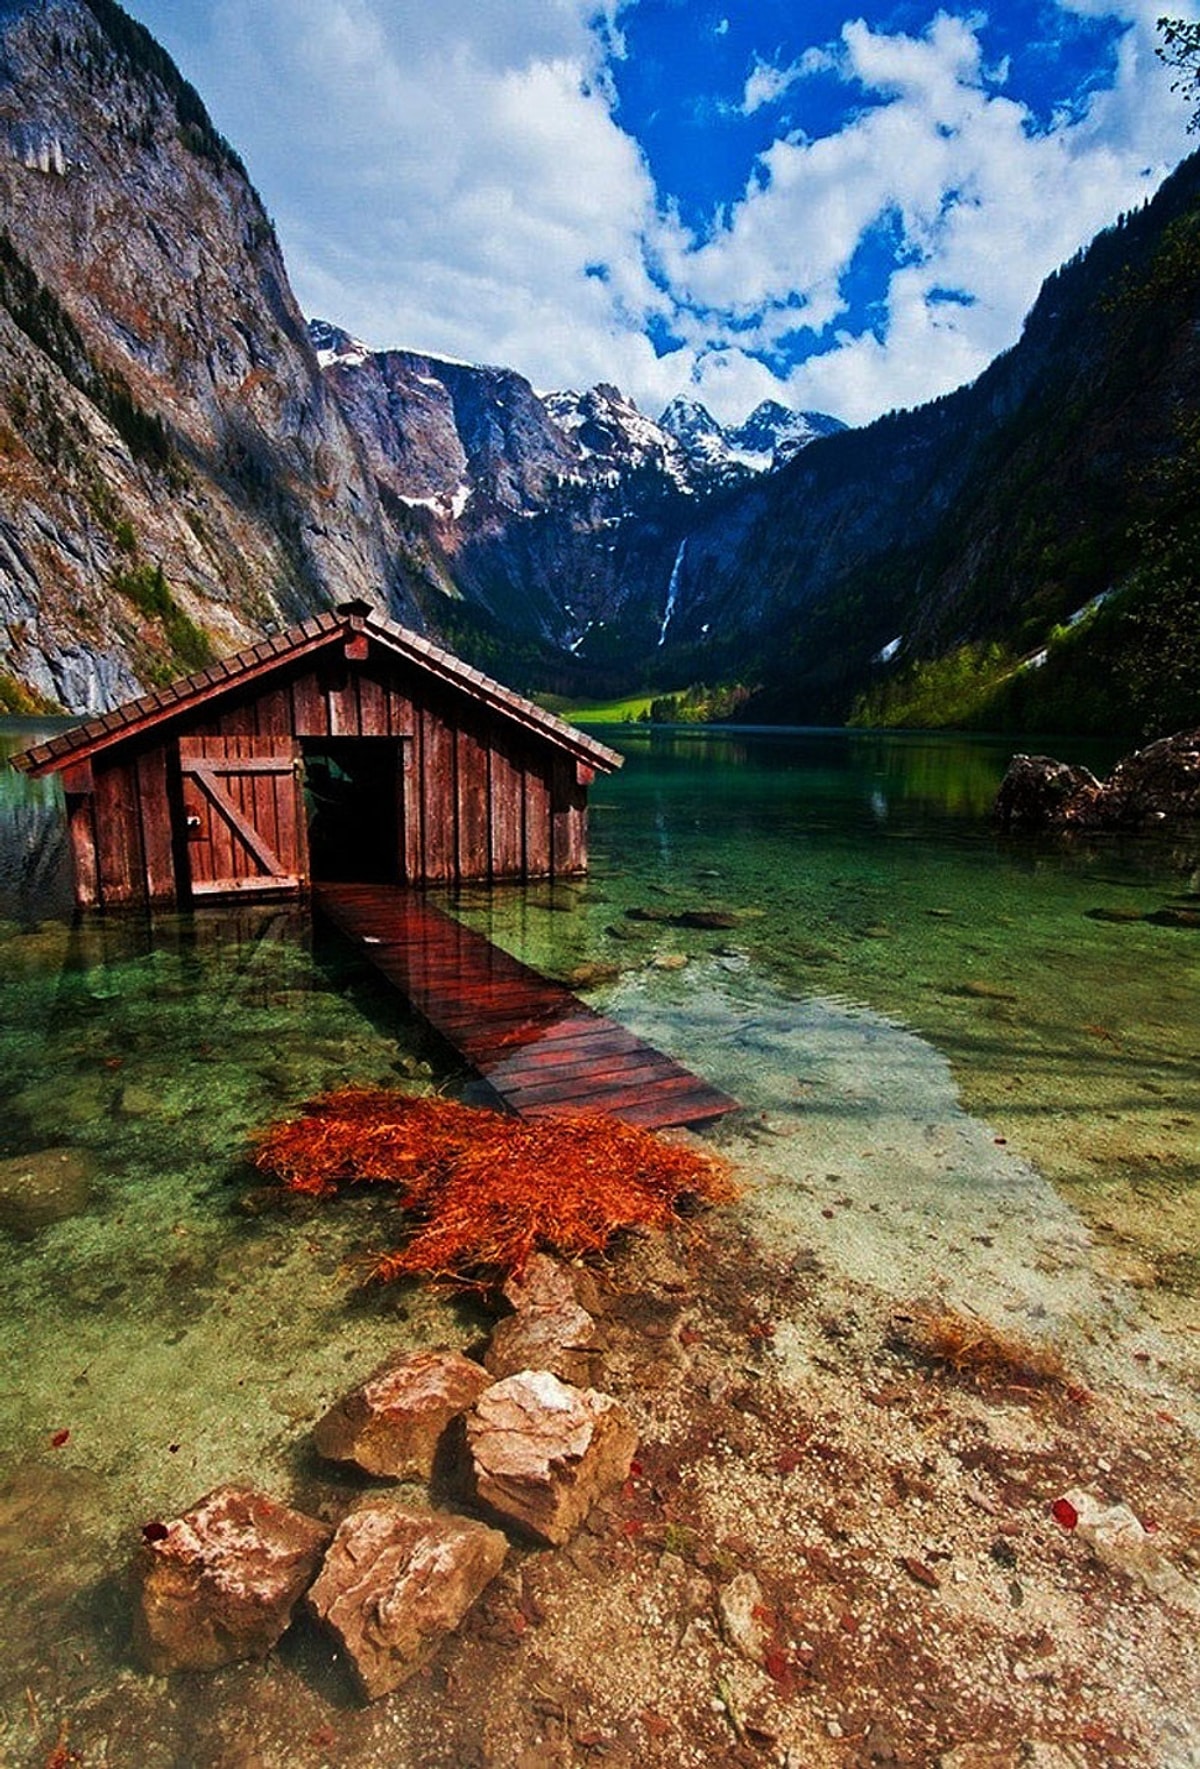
332,345
772,434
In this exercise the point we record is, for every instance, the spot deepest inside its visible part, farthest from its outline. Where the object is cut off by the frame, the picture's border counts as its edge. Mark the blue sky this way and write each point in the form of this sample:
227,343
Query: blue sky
846,208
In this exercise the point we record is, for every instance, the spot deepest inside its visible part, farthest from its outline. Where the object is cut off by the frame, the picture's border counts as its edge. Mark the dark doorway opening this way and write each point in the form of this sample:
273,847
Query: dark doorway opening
353,800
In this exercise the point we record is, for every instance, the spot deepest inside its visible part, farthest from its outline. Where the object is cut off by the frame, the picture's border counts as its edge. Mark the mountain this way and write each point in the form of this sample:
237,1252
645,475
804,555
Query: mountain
184,467
176,477
525,519
770,436
1023,551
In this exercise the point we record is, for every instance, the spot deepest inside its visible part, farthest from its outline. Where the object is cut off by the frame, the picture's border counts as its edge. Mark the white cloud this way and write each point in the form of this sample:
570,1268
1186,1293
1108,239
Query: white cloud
766,83
986,205
458,179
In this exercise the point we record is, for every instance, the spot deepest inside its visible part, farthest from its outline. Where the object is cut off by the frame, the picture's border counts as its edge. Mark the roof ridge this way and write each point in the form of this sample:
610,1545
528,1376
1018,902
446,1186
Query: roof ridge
174,698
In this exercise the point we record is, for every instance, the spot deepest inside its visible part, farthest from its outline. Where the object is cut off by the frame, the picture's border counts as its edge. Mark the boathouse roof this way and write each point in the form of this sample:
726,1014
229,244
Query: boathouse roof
352,620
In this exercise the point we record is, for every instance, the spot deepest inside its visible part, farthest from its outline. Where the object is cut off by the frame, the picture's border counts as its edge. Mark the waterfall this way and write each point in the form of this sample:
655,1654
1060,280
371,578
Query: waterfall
672,591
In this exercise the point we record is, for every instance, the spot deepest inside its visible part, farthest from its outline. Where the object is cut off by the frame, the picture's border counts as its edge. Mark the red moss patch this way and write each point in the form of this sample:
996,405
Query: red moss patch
487,1190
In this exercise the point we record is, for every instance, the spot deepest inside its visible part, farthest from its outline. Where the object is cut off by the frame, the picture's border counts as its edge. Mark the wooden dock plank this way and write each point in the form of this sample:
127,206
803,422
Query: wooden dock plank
541,1049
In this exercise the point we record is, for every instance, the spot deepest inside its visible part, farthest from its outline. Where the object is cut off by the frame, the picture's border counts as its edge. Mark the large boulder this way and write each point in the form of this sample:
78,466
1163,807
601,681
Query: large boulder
1037,792
395,1582
394,1423
549,1329
1157,784
543,1452
220,1583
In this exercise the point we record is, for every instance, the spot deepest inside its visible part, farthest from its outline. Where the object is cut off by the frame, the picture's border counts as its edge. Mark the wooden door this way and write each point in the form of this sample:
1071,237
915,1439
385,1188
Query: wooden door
242,802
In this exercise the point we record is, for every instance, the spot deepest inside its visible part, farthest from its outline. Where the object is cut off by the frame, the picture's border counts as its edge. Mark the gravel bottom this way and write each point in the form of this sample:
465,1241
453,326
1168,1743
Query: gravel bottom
907,1595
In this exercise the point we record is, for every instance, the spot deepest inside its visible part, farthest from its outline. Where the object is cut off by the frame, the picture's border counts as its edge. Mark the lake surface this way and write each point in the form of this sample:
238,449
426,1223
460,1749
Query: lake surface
967,1069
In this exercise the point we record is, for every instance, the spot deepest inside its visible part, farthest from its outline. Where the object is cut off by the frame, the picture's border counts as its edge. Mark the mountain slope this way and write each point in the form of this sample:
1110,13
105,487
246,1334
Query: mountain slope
977,526
175,476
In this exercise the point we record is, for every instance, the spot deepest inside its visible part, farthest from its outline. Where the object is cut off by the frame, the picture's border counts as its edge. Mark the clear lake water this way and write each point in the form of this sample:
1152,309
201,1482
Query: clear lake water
967,1066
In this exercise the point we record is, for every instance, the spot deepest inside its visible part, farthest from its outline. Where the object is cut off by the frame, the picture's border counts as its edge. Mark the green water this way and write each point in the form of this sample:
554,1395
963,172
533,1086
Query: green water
955,1077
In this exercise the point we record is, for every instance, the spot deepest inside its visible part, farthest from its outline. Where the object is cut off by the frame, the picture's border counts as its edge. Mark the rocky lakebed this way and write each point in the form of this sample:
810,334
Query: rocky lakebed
913,1541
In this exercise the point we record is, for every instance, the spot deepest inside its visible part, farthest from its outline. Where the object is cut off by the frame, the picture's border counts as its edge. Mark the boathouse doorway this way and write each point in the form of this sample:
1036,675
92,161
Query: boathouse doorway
354,805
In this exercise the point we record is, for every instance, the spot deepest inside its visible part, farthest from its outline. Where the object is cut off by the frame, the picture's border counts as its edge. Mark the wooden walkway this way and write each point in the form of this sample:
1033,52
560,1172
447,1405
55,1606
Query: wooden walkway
541,1049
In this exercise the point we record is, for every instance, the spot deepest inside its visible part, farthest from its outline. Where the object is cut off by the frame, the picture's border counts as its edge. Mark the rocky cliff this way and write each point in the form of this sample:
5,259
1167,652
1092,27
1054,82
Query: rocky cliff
555,518
175,475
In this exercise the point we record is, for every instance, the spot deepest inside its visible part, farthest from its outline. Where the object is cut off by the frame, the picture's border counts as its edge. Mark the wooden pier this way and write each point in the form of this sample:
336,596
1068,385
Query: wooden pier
542,1050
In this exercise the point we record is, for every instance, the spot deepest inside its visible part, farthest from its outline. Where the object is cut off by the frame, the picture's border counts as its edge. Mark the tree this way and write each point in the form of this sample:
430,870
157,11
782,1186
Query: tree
1180,49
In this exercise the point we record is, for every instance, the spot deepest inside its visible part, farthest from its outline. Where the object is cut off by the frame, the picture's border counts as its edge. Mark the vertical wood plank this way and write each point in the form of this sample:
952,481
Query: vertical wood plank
373,708
118,829
237,720
569,809
155,809
413,816
437,796
273,713
310,711
538,857
402,715
224,857
81,827
287,819
474,846
341,692
507,810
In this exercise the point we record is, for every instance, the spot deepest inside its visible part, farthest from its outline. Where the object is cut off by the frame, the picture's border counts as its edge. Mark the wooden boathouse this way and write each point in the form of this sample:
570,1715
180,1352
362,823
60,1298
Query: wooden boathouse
352,759
347,748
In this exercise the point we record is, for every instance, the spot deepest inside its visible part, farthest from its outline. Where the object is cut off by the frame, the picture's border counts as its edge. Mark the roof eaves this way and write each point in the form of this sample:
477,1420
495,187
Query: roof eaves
151,709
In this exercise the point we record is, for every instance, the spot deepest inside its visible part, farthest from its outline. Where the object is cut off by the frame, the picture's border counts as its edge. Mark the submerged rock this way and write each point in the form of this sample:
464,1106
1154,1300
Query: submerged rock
1119,1540
220,1583
1160,783
46,1186
394,1422
395,1582
544,1452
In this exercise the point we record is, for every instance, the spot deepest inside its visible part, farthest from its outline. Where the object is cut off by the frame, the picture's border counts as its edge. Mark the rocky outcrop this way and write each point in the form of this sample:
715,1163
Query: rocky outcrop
544,1452
1037,791
394,1423
395,1582
1156,785
220,1583
175,475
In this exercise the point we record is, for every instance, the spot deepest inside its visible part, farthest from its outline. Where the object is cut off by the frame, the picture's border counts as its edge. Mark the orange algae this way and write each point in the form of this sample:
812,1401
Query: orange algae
486,1190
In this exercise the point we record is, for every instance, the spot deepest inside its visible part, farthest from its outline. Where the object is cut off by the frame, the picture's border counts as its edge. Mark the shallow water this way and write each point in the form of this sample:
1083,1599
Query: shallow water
973,1038
956,1079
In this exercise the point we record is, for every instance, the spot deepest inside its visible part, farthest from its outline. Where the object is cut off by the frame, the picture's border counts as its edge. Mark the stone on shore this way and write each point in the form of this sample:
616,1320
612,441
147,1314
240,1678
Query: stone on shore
395,1582
550,1329
394,1422
220,1583
544,1452
743,1617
